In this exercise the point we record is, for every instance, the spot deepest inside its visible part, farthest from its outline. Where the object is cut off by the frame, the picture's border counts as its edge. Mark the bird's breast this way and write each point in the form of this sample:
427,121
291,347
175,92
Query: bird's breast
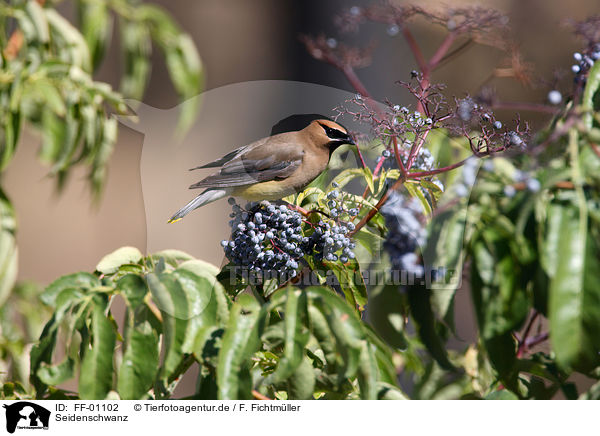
272,190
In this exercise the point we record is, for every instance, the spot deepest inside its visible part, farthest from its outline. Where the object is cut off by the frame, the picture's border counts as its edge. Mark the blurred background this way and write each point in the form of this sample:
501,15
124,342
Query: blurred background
241,41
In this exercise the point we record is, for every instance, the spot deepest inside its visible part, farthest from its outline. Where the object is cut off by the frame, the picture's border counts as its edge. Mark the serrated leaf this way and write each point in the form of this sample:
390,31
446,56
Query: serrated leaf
172,301
96,24
301,383
367,373
134,289
591,89
574,306
387,310
76,45
345,177
351,282
38,18
96,375
238,345
421,310
56,374
295,333
140,363
110,263
137,49
9,137
81,280
345,326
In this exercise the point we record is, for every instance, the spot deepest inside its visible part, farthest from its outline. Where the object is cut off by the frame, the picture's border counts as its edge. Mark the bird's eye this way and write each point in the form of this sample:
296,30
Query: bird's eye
334,133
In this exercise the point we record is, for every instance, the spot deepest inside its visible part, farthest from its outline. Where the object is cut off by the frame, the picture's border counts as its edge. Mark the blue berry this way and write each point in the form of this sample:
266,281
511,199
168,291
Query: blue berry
554,97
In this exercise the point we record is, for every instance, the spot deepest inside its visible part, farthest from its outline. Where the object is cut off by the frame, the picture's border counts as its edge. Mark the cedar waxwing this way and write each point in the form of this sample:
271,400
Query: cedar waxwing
270,168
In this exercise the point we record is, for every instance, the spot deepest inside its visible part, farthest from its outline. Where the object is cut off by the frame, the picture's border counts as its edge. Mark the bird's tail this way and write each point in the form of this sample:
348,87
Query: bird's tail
206,197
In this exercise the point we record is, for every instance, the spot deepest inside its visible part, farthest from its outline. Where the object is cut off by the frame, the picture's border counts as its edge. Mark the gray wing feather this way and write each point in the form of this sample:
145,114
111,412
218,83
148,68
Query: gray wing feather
247,175
264,160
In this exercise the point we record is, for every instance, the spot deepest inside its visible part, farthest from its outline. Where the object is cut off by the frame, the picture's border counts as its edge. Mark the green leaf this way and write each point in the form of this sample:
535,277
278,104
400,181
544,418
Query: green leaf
500,298
110,263
133,288
387,391
96,24
76,46
10,131
387,310
591,89
44,91
140,363
102,151
175,257
240,341
574,306
295,333
419,299
137,48
56,374
345,326
502,394
8,248
54,135
367,373
352,283
41,353
81,280
172,301
96,375
345,177
36,14
185,70
368,176
414,189
301,384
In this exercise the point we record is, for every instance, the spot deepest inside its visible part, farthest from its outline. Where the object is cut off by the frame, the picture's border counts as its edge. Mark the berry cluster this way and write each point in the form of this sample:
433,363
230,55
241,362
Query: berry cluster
328,240
264,238
585,61
405,233
269,241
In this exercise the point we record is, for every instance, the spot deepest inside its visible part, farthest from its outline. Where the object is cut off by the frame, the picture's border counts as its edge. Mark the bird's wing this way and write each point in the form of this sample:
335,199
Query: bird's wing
221,161
271,160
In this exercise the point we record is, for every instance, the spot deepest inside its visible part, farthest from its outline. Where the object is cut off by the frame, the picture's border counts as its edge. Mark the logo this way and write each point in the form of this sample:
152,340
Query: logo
26,415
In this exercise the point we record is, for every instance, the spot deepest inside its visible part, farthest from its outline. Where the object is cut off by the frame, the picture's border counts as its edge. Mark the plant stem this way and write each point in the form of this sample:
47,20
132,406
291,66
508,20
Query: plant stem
522,347
260,396
441,51
434,172
414,47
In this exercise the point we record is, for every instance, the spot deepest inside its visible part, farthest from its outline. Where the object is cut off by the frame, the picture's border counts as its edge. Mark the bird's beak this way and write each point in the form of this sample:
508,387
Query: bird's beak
350,140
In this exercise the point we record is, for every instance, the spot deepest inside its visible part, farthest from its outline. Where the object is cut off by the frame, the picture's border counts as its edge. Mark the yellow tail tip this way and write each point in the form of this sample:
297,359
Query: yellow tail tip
171,221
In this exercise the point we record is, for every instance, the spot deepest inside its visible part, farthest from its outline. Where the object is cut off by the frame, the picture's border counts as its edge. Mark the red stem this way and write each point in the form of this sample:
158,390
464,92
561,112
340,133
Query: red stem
414,151
414,47
441,51
420,174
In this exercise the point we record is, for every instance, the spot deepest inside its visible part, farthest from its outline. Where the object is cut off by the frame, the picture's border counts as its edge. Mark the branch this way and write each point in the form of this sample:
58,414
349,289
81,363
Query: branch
458,50
414,47
522,342
438,171
441,51
260,396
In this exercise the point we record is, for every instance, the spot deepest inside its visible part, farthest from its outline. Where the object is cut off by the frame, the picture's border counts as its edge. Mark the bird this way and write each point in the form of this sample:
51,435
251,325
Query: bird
270,168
